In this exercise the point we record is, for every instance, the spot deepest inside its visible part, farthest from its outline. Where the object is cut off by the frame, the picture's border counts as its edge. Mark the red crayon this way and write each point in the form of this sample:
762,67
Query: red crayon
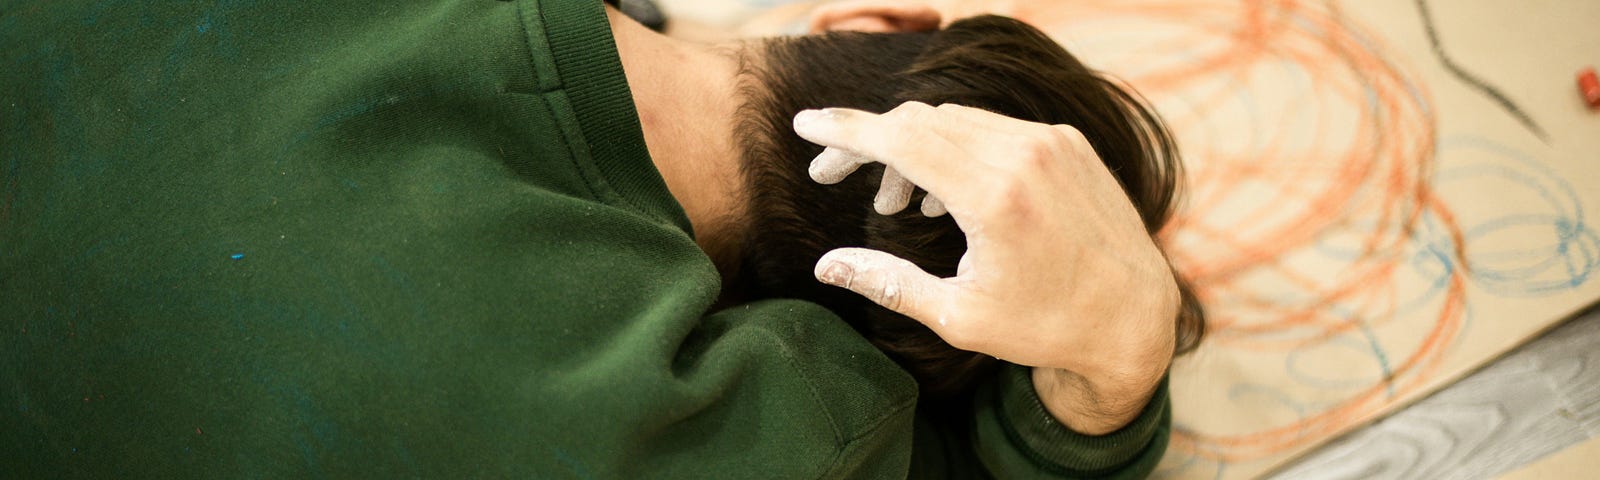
1589,85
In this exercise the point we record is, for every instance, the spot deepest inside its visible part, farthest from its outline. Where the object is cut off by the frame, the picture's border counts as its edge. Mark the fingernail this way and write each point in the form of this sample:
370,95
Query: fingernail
835,273
808,118
816,170
932,207
824,167
885,205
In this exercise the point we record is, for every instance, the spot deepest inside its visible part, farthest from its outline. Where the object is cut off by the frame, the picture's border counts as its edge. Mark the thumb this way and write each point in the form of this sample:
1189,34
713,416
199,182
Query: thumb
887,280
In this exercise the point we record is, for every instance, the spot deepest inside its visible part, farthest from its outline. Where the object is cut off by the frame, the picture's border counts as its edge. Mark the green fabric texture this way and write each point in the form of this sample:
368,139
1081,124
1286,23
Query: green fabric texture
1047,449
402,239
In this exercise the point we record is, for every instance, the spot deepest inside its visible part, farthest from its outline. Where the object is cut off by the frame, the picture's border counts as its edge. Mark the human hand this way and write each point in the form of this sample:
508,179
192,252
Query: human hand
1059,272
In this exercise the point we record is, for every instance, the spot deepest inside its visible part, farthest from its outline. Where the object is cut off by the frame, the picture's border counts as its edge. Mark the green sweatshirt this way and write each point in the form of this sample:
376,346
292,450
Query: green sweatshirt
399,239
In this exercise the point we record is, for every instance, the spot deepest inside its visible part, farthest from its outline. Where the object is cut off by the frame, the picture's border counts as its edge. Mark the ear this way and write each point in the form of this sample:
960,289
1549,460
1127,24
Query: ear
878,16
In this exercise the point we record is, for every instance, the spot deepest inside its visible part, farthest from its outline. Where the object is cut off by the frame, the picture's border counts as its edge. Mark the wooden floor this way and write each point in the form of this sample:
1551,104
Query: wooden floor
1537,400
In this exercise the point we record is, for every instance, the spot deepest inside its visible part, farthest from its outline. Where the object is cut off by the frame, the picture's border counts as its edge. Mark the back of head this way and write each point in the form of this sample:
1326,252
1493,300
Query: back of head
990,62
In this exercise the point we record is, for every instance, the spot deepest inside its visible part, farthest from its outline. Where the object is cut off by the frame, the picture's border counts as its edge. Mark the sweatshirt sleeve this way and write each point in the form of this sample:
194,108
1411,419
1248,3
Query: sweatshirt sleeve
320,240
1012,435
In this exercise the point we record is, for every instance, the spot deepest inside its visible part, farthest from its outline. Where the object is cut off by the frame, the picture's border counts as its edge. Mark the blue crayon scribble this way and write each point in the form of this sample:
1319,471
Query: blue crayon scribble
1557,248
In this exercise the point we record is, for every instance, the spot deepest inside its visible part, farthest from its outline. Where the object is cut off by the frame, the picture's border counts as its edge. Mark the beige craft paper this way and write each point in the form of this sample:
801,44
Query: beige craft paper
1578,461
1364,224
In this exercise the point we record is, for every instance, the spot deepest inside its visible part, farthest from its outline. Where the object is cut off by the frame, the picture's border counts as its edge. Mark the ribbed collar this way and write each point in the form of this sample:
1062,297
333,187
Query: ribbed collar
590,72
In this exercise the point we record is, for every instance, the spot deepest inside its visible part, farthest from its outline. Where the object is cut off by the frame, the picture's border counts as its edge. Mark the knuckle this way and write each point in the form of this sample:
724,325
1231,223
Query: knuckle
1071,138
960,336
891,296
910,110
1008,195
1042,131
1034,153
1069,134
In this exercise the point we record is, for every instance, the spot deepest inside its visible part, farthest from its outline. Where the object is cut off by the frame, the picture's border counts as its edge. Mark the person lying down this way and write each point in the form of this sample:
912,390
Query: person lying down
536,239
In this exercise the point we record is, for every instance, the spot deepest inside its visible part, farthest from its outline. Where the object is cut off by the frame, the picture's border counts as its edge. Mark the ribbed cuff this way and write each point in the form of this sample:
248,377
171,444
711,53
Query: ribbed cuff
1048,443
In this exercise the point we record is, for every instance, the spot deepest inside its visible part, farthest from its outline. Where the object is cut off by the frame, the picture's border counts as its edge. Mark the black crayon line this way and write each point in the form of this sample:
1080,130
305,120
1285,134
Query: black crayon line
1473,80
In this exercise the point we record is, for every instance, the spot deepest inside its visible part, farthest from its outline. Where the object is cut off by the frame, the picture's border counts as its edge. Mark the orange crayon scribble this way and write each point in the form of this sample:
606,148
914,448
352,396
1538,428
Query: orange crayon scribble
1351,159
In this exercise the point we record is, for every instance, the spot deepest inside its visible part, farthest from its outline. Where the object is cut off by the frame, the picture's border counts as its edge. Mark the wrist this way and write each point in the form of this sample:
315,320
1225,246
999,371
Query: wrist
1079,449
1092,406
1134,307
1106,386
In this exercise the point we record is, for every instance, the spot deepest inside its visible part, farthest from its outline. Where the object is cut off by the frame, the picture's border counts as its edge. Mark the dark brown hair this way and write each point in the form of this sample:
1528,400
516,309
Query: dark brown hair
989,62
